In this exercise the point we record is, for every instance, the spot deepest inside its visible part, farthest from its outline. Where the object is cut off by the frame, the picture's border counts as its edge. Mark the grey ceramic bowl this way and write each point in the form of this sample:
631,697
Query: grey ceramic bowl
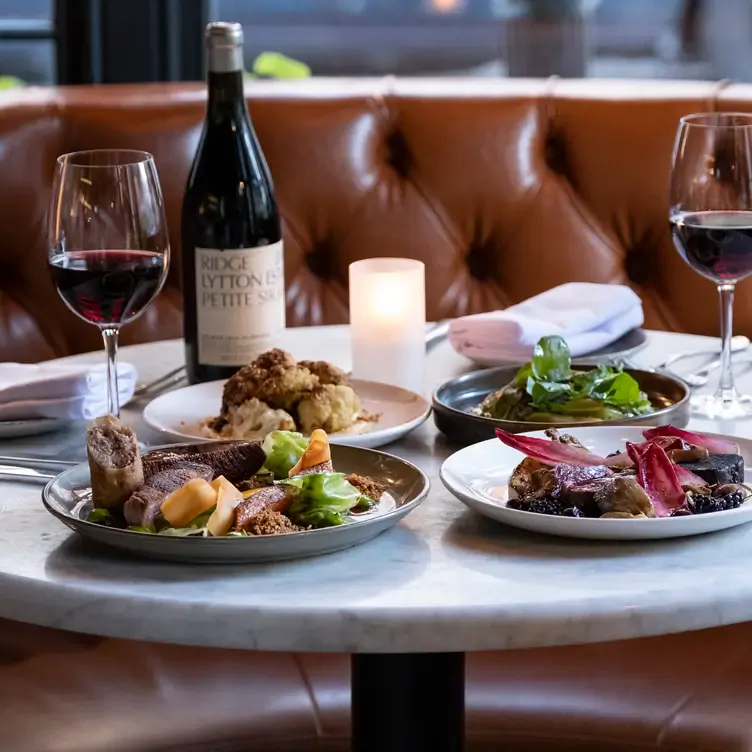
66,497
453,400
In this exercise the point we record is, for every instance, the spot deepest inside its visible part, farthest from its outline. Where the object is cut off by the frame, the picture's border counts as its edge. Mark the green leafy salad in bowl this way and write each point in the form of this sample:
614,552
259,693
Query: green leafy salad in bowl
549,390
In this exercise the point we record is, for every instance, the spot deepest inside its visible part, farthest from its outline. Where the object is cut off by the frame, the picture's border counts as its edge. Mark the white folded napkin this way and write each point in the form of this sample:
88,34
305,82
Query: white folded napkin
55,390
588,316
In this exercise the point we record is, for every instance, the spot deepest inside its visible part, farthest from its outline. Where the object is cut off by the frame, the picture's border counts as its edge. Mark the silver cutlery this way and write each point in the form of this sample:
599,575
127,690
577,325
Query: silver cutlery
702,376
738,343
437,333
165,381
14,472
37,463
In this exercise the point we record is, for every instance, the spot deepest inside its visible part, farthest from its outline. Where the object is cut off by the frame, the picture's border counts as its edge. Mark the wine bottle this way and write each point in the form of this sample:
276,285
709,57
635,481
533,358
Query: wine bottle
232,255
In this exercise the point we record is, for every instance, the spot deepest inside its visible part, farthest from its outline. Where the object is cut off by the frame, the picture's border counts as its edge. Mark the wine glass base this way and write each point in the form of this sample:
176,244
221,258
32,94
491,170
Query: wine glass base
715,407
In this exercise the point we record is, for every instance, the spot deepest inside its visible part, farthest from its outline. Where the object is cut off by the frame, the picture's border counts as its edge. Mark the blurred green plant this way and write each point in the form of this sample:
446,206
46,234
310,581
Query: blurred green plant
277,65
10,82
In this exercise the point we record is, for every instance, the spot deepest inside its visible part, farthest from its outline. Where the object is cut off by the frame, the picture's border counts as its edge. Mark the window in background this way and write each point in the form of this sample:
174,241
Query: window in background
610,38
27,40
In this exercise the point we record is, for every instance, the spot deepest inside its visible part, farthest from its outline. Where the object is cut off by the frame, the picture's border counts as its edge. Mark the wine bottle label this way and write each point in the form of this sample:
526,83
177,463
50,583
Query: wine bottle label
240,303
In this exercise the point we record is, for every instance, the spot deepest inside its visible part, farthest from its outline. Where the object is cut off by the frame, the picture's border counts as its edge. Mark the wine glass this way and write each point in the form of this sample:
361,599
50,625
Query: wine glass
711,224
108,245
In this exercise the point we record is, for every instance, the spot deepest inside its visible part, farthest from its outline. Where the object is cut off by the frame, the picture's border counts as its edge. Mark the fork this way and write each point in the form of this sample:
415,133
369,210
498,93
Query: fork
166,380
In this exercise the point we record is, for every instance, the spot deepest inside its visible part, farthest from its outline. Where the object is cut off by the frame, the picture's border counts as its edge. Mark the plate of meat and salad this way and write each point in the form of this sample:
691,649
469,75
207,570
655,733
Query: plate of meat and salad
232,501
278,392
607,482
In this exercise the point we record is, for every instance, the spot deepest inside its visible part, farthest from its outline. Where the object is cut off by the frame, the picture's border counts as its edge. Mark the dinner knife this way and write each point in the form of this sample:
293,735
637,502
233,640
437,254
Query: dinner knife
38,463
14,472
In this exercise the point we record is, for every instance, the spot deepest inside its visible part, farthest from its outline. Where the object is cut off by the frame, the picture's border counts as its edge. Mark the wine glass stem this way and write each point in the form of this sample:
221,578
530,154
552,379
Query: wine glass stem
726,390
110,336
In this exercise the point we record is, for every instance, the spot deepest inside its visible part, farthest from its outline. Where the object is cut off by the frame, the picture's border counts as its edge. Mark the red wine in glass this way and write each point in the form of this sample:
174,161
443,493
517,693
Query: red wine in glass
108,287
108,250
718,244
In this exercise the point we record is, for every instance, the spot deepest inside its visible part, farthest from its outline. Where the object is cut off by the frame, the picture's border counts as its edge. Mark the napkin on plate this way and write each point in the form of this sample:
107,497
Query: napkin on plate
56,390
588,316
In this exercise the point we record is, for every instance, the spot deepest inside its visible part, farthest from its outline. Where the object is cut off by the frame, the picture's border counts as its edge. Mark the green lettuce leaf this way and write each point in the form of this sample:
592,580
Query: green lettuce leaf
548,390
551,359
322,499
100,517
283,450
143,528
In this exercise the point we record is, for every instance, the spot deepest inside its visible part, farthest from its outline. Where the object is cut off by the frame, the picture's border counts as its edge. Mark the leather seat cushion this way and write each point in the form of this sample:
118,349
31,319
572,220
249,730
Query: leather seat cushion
70,693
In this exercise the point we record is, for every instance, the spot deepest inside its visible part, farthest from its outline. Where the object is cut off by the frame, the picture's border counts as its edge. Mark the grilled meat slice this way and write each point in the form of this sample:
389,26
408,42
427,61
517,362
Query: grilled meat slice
322,467
571,476
622,495
144,505
236,460
610,495
272,498
531,477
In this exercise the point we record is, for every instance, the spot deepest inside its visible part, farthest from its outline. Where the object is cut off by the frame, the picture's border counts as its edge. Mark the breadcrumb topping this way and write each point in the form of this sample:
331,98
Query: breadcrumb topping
367,486
269,522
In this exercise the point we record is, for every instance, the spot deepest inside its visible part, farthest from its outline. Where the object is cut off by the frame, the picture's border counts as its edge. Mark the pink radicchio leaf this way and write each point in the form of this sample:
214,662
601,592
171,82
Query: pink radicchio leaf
712,443
688,478
554,452
667,443
656,474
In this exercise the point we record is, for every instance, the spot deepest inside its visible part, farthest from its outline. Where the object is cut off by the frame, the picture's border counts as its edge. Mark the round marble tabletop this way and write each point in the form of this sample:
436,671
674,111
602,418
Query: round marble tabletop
442,580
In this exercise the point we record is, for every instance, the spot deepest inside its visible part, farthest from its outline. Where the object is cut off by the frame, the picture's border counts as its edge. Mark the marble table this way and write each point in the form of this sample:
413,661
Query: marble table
409,603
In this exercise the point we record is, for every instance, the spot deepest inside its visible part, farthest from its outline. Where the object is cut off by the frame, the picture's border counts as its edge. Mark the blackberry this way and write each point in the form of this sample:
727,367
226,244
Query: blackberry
572,512
705,503
546,505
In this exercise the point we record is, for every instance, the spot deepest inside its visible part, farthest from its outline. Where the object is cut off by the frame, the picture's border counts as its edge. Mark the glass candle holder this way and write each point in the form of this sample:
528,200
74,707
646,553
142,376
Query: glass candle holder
388,321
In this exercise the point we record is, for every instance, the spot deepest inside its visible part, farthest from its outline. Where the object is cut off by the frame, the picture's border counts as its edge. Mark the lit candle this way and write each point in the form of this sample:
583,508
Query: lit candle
388,321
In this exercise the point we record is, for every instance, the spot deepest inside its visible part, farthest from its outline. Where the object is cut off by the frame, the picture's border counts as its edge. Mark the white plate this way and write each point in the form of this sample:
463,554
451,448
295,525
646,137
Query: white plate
478,476
16,429
179,413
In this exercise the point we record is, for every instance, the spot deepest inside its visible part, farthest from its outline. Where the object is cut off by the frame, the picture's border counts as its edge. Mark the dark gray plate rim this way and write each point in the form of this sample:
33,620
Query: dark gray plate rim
459,381
400,510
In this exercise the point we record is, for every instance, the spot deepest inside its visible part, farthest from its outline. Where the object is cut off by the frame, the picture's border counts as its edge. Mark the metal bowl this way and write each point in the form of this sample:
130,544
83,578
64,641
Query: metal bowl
454,399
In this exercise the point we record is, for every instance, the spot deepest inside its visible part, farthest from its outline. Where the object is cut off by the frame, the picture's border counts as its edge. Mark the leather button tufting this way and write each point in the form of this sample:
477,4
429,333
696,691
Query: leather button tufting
637,265
556,154
321,262
398,153
479,261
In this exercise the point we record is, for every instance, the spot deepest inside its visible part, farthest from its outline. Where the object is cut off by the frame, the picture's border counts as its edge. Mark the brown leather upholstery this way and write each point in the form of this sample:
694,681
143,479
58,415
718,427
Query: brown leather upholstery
687,693
504,188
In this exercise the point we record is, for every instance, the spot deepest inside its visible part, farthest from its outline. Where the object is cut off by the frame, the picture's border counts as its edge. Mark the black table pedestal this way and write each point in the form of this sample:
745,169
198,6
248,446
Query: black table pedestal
408,703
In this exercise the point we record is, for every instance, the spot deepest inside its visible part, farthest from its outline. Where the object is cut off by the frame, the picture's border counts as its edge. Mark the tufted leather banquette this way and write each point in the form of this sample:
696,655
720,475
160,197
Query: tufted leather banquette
504,188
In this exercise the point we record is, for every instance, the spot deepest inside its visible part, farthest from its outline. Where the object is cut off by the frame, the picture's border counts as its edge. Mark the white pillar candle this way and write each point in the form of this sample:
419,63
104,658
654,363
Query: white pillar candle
388,321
